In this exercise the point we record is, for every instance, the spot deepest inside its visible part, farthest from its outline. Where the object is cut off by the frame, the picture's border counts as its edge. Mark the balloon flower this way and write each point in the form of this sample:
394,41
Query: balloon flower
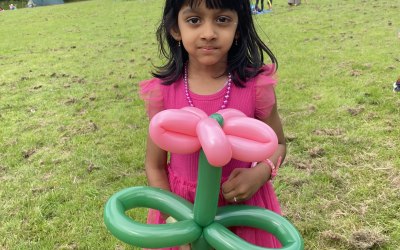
224,135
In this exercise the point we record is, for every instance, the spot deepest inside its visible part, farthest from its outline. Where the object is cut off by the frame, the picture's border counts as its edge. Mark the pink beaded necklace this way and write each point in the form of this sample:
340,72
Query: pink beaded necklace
189,99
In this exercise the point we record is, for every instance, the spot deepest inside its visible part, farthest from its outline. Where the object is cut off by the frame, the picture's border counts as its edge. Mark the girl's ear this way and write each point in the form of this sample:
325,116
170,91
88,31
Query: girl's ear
175,33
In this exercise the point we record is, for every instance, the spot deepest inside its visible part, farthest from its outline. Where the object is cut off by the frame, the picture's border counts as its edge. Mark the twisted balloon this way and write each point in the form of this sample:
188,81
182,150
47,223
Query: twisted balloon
222,136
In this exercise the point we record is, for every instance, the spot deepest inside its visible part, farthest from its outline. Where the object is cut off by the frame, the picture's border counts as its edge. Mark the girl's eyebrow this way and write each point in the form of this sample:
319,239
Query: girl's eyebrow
189,10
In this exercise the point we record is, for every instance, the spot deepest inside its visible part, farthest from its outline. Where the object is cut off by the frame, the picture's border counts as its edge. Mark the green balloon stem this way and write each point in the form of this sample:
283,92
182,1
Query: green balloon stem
207,193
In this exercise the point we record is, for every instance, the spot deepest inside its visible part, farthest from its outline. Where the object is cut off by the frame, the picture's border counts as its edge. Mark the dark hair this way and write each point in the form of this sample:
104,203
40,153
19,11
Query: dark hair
244,59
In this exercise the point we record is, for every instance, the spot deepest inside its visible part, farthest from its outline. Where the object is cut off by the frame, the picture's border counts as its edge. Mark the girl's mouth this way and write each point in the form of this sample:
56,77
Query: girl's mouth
208,48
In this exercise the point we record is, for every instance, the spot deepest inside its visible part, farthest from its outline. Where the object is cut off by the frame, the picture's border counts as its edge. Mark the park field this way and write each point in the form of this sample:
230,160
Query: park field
73,129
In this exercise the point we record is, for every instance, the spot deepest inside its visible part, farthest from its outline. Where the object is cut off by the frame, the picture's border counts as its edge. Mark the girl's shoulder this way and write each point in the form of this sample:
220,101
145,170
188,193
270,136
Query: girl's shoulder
150,93
150,84
264,84
266,76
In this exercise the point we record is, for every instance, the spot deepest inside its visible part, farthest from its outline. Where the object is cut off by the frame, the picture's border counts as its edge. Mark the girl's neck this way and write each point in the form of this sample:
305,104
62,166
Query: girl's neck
210,71
206,79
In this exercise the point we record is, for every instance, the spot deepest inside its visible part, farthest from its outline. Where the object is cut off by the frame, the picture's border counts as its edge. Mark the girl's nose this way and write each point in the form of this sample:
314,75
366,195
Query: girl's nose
208,31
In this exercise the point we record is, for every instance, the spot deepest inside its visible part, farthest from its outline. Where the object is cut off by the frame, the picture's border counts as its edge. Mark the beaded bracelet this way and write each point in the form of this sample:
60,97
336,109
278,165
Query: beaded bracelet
274,169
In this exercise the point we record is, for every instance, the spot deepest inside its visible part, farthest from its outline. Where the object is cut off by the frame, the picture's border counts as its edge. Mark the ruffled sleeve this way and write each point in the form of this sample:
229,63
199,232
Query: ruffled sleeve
265,94
150,93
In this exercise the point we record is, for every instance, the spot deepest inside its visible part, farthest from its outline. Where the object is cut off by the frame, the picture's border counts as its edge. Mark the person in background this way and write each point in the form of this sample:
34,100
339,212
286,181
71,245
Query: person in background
294,2
396,85
12,7
258,9
30,4
262,5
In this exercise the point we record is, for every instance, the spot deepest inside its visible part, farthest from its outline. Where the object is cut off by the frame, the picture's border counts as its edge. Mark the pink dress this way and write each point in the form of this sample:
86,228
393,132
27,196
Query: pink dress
255,100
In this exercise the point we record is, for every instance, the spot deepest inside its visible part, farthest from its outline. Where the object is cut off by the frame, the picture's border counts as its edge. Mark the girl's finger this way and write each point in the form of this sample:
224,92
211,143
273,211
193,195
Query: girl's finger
231,197
234,173
228,186
226,190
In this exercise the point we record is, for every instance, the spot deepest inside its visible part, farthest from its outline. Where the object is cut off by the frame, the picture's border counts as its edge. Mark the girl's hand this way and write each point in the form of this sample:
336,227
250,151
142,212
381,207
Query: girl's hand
243,183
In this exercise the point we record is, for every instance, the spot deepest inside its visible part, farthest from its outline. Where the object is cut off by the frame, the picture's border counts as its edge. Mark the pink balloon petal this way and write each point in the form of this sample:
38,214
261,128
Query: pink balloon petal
229,113
200,113
249,128
250,151
215,145
250,139
174,130
178,143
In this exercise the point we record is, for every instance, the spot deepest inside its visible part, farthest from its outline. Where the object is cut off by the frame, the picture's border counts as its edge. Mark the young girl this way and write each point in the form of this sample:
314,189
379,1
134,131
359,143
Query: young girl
214,60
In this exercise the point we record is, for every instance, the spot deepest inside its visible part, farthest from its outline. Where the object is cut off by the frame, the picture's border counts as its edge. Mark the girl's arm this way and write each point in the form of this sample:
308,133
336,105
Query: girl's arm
243,183
155,165
274,122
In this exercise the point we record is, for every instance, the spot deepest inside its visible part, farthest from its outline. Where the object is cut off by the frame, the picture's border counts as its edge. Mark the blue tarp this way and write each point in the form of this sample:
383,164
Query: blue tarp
46,2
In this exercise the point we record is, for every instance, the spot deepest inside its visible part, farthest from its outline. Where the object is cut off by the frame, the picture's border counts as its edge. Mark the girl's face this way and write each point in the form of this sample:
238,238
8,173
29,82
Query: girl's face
206,34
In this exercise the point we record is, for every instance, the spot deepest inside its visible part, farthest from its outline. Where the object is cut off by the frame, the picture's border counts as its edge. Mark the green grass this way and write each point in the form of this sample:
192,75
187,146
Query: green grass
72,128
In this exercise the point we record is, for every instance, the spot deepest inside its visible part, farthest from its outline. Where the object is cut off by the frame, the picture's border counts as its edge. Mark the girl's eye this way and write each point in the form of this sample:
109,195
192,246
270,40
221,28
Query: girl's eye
223,19
193,20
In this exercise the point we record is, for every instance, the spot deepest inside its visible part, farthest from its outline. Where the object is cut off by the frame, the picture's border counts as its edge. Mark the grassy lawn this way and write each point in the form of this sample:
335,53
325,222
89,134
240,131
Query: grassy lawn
72,128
